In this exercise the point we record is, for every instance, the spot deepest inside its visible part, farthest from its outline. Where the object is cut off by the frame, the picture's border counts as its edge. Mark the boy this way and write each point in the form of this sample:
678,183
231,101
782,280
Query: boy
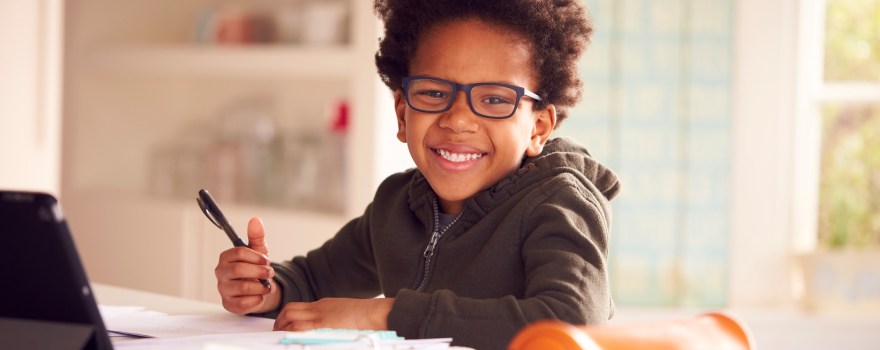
497,227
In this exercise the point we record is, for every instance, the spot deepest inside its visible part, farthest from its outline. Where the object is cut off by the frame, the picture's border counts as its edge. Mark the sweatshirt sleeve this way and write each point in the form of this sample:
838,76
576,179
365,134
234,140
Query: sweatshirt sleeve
319,275
564,251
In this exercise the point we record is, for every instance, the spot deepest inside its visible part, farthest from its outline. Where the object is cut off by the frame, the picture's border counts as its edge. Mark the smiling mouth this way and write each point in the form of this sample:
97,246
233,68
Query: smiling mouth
458,157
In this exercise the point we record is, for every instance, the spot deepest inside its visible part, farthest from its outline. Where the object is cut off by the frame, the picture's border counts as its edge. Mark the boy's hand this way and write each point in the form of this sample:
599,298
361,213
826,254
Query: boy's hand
335,313
238,273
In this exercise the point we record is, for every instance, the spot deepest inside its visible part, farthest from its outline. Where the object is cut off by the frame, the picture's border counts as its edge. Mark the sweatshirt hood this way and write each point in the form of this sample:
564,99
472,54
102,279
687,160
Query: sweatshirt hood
563,155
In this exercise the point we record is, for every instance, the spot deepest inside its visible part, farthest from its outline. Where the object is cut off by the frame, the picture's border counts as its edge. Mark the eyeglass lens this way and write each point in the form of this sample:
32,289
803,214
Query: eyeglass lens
489,100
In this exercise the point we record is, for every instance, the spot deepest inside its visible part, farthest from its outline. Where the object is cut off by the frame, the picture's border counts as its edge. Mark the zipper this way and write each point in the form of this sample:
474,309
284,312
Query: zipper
428,254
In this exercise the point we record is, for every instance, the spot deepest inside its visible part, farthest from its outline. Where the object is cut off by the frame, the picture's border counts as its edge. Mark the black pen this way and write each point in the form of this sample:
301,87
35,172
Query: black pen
212,211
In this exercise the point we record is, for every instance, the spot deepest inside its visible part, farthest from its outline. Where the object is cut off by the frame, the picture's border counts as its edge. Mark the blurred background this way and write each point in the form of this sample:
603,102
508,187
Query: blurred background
746,134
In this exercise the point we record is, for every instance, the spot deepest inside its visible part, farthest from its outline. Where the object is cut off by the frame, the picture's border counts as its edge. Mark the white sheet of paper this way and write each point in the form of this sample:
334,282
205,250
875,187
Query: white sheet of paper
229,341
163,326
221,331
271,340
108,311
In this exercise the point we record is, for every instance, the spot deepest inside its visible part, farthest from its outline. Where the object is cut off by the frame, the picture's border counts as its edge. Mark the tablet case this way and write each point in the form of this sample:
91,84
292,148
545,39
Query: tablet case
45,288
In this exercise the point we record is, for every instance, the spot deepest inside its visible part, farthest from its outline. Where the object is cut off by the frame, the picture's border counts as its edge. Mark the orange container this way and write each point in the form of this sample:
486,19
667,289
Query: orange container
714,330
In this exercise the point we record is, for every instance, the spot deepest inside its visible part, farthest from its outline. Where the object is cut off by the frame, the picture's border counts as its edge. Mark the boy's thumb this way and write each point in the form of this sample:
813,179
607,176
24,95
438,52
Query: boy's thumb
257,236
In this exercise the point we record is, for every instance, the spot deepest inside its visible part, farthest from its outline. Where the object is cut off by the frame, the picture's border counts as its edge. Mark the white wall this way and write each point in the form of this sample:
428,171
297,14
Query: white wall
765,81
30,56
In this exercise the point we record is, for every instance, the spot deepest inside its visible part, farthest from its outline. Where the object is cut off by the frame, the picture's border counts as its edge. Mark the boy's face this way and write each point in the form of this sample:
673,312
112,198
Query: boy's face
459,152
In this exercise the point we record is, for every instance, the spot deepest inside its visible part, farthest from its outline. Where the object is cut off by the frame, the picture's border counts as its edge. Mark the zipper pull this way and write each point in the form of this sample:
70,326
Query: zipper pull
429,250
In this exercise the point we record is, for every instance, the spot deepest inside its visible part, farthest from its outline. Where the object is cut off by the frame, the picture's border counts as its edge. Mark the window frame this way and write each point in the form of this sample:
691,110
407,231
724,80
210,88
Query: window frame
778,94
815,93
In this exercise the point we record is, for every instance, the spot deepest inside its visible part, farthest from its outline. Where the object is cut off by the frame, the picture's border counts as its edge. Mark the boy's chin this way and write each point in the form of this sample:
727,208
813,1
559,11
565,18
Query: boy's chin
452,199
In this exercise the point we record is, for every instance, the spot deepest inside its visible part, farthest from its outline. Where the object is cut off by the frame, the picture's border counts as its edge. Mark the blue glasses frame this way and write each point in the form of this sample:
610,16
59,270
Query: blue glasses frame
456,87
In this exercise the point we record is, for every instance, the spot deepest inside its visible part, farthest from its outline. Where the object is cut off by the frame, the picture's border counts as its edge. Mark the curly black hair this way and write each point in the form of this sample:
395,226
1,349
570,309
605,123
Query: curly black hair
559,29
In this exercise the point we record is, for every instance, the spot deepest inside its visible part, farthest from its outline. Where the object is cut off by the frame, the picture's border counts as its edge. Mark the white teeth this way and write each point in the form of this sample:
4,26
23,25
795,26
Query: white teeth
458,157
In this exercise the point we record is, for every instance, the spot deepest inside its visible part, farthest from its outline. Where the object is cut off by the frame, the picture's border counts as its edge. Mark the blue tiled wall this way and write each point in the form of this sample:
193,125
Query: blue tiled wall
656,108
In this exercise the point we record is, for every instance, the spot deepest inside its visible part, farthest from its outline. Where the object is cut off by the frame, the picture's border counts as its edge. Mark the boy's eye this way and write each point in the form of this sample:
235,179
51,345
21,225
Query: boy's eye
432,94
495,100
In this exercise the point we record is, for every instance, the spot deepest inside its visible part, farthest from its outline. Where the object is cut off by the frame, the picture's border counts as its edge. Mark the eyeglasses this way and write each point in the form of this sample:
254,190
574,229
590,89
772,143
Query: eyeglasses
488,100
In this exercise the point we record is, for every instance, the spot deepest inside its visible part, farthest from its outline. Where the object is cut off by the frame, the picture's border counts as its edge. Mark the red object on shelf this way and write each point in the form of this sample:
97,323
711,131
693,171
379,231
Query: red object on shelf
233,28
340,120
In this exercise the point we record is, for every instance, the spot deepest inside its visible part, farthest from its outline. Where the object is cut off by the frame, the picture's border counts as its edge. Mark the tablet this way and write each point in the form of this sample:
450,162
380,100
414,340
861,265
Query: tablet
45,299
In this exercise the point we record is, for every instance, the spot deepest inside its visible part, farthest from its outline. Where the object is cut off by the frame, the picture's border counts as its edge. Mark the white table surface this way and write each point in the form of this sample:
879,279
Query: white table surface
171,305
782,328
120,296
773,329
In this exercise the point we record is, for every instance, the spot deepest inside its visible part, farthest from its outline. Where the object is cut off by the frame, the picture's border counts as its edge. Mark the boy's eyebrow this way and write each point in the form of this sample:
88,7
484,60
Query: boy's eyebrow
475,82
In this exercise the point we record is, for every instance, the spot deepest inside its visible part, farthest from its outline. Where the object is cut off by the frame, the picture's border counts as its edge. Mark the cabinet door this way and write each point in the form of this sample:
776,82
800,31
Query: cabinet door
29,94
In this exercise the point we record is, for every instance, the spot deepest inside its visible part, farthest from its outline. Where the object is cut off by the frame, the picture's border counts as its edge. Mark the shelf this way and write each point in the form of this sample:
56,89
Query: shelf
240,211
126,239
134,83
248,62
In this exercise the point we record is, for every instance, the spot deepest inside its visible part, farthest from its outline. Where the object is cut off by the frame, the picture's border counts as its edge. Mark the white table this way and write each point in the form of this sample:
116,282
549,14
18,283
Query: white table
782,328
112,295
119,296
182,318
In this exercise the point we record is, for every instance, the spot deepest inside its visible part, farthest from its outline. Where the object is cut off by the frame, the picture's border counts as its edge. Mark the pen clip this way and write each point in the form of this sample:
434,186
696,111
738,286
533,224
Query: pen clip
208,213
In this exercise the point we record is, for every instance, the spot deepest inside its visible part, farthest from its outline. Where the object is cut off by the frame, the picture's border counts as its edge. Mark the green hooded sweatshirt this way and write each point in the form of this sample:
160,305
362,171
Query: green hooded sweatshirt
533,246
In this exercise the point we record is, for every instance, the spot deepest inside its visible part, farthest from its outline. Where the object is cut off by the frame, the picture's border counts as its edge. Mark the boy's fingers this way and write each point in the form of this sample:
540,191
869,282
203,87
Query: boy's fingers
243,304
241,288
242,254
257,236
238,270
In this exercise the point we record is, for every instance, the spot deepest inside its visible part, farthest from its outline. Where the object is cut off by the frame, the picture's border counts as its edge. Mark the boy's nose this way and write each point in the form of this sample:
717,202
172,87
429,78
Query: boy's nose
460,118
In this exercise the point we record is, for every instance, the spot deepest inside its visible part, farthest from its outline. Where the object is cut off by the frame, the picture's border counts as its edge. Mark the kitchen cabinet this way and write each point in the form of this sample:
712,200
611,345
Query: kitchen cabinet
162,98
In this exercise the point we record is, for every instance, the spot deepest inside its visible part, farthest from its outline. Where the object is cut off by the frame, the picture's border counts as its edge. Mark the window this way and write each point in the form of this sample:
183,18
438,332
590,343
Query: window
846,103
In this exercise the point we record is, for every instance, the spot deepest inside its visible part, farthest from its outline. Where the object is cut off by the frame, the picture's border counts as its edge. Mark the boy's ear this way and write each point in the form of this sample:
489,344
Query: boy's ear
545,121
400,110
